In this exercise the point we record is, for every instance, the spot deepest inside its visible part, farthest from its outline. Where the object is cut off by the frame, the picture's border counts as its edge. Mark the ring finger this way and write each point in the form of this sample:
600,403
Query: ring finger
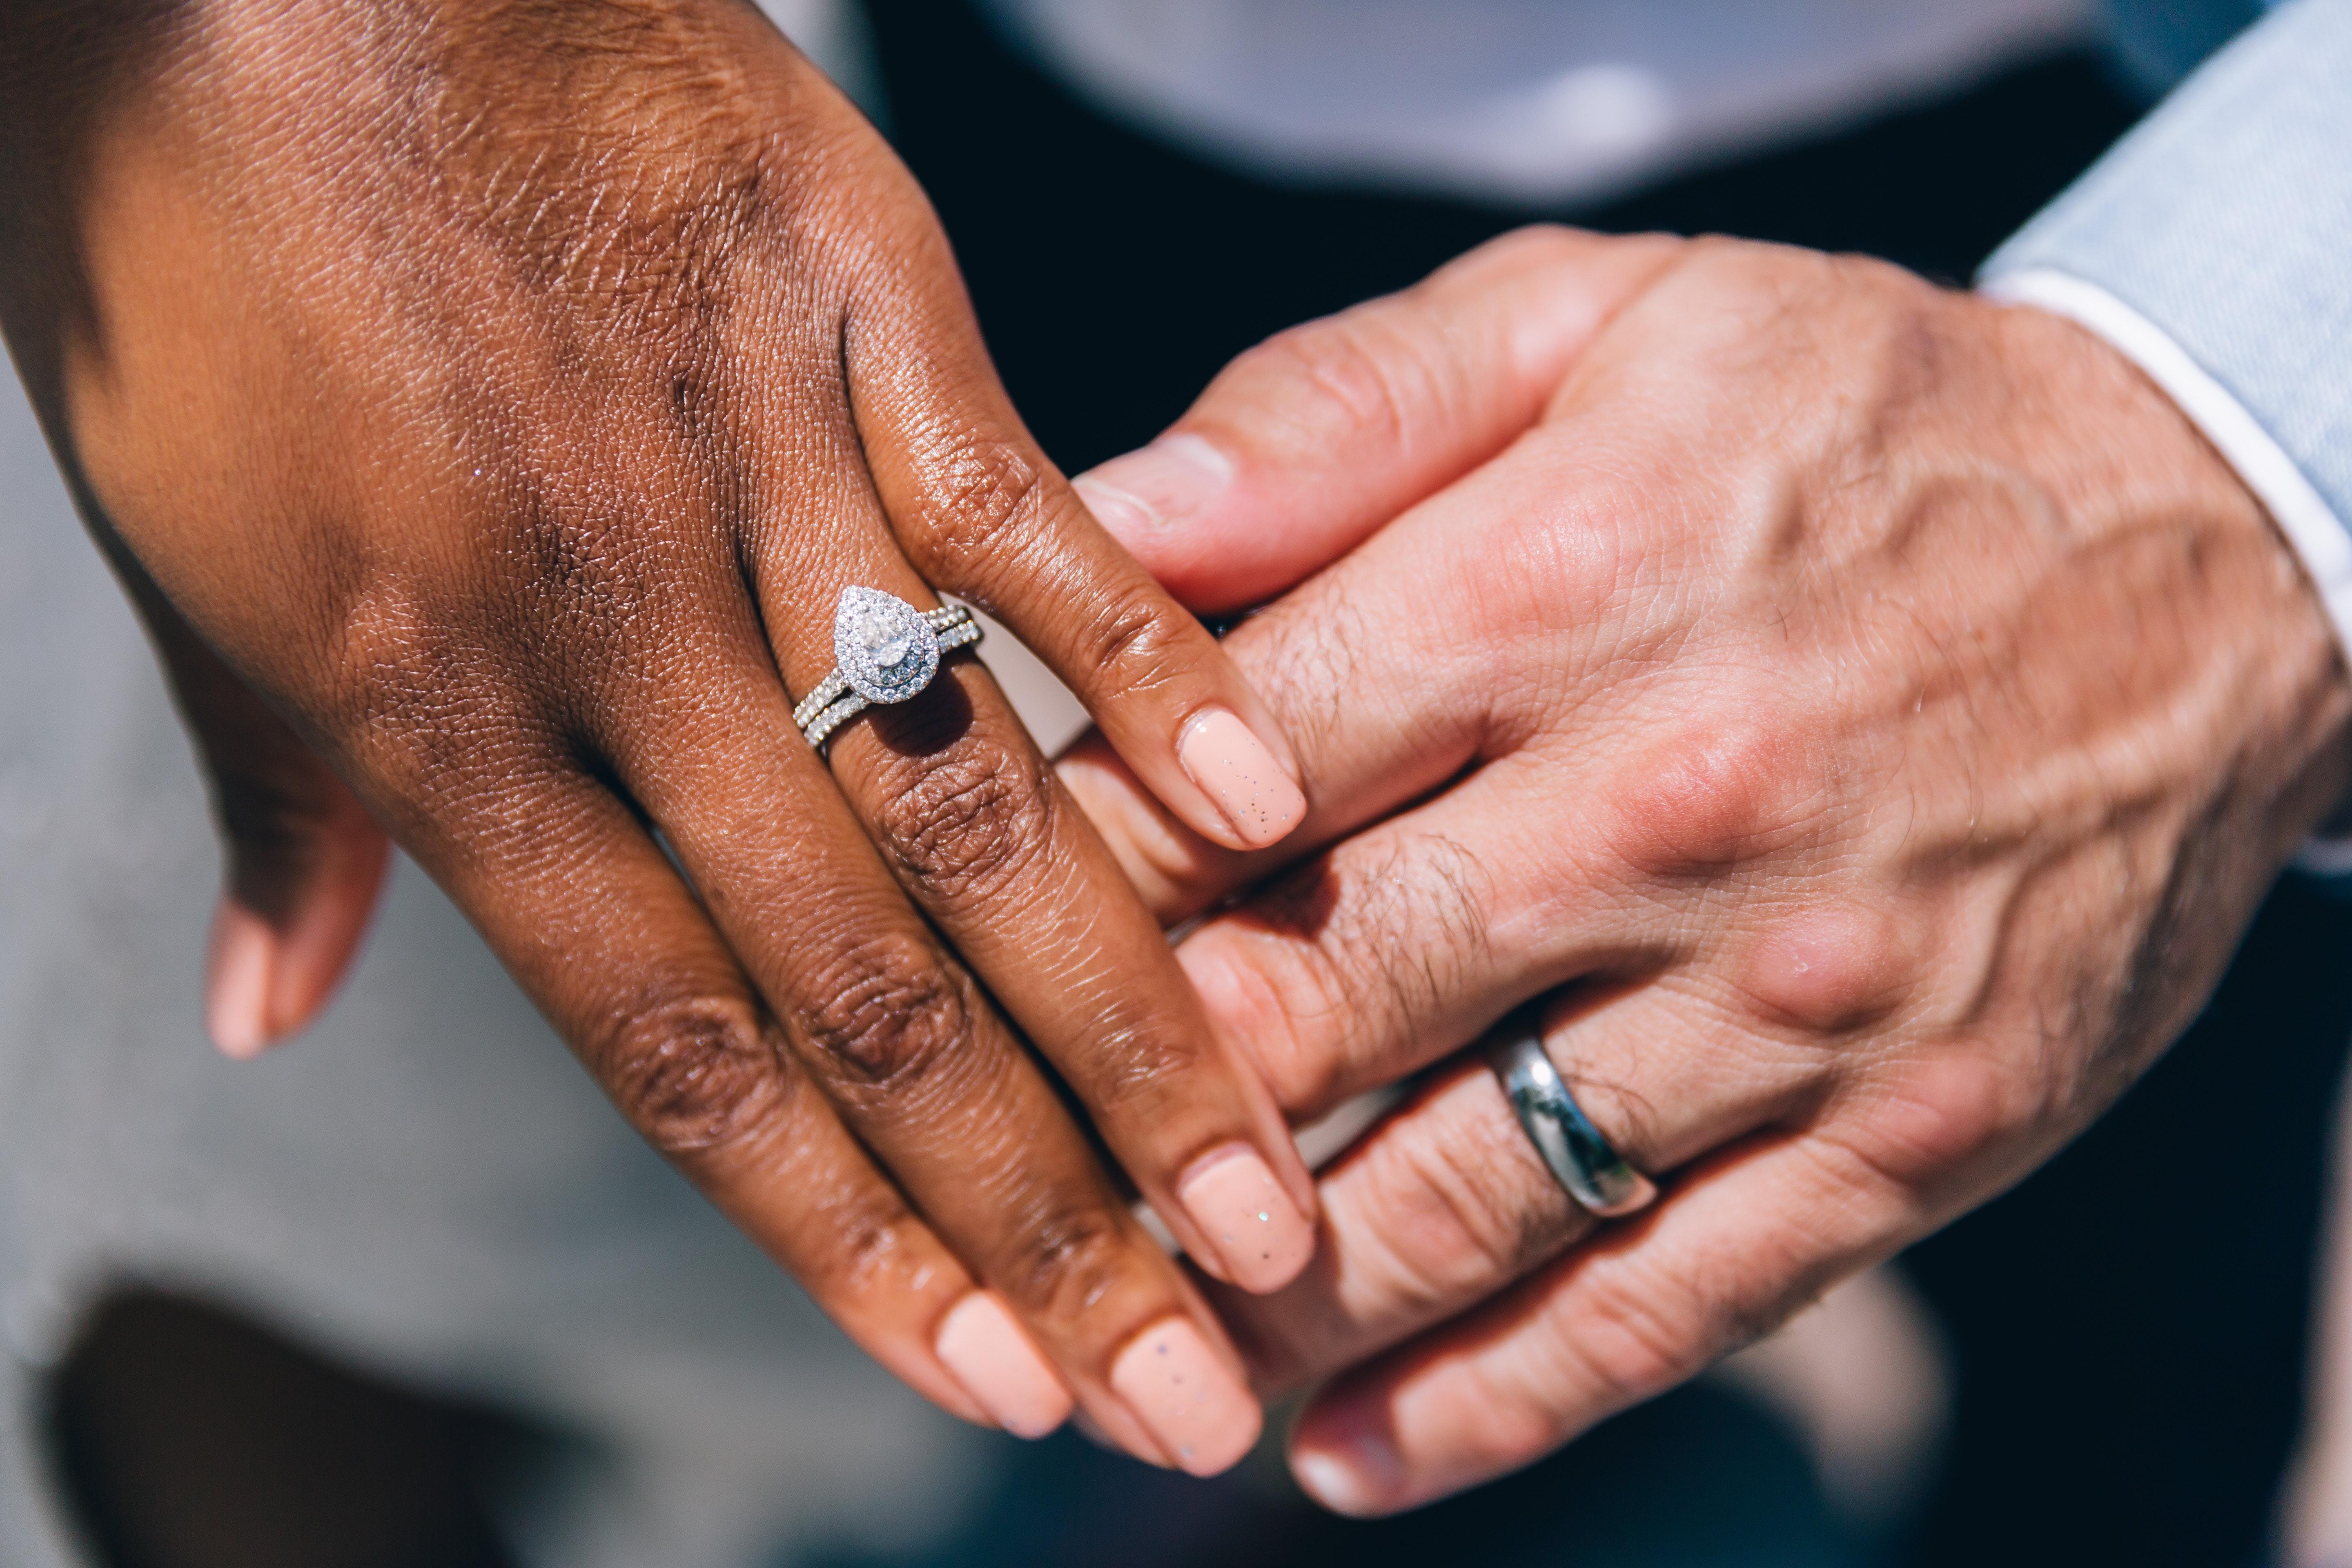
1396,947
978,832
1447,1201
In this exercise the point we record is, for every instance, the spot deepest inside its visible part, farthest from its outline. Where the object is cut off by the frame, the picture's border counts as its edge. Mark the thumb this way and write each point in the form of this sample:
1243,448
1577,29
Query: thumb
1306,444
306,861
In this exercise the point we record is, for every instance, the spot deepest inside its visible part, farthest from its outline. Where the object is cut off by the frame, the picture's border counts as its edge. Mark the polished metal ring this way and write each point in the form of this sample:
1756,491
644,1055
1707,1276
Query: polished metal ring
885,650
1594,1174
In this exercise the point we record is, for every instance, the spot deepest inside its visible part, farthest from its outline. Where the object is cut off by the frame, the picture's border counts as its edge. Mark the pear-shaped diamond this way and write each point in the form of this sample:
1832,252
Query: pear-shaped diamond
886,649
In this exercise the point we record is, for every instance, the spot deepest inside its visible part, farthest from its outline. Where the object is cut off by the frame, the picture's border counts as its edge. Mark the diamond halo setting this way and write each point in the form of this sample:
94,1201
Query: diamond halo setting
885,650
883,645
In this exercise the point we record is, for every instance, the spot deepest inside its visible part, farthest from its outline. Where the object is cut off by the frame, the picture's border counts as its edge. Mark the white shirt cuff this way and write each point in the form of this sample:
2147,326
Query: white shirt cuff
2318,536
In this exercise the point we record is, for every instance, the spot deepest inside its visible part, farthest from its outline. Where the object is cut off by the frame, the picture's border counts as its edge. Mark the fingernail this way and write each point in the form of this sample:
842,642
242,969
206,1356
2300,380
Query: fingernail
1187,1397
1355,1474
1233,768
237,980
1155,485
1260,1235
985,1349
1335,1484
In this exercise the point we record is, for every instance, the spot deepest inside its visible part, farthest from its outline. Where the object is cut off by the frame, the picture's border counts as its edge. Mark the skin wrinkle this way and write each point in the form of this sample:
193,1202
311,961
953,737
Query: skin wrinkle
1492,1218
1423,1251
1065,1268
970,826
693,1075
1847,626
887,1019
1123,637
1355,377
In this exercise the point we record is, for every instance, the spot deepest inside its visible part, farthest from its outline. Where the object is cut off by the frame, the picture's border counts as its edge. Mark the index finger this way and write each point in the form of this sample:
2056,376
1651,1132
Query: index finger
1320,439
1306,445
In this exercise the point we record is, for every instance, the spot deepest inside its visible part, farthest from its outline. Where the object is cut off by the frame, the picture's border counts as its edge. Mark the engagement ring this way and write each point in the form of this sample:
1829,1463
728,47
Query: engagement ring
885,650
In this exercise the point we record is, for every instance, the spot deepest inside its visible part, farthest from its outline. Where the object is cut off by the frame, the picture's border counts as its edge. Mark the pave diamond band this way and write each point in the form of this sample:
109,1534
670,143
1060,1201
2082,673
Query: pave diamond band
943,622
848,705
885,650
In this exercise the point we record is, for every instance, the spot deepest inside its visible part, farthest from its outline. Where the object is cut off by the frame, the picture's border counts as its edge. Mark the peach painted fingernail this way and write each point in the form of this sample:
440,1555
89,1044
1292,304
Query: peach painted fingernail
1187,1397
1233,768
987,1352
1147,489
238,981
1260,1235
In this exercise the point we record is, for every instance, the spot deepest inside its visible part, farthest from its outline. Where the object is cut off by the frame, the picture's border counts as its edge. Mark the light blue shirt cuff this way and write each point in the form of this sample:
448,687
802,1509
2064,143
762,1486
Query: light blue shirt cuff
2212,247
2222,226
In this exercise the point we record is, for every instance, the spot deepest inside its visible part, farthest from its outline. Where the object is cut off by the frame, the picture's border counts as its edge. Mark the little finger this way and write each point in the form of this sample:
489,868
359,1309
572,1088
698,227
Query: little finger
1740,1244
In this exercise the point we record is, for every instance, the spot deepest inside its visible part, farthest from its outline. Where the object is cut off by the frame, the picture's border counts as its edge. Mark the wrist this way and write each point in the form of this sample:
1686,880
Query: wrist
2135,432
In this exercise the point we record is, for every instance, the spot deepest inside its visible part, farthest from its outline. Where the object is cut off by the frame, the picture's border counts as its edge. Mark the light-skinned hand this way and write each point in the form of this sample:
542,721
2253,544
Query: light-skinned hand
1861,717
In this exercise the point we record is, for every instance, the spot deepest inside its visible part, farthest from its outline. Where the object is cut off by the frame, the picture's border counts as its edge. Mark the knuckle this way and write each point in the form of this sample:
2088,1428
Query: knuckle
1713,796
964,825
695,1074
1069,1260
1338,375
1911,1130
432,709
1454,1229
872,1256
1137,1065
982,488
481,768
1133,639
383,646
1632,1341
889,1017
1830,969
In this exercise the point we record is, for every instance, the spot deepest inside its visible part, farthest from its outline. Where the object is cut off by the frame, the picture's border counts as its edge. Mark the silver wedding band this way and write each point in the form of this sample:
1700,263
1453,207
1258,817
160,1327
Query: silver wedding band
885,650
1592,1172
